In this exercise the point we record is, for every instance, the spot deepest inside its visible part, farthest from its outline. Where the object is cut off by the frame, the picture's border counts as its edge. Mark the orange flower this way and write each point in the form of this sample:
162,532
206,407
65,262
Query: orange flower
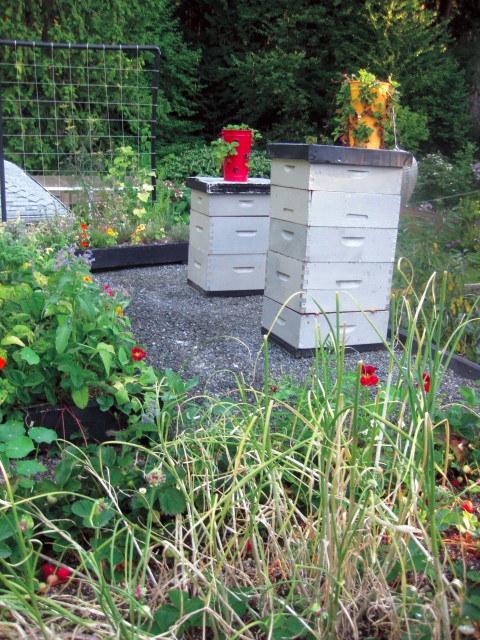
83,226
87,278
84,244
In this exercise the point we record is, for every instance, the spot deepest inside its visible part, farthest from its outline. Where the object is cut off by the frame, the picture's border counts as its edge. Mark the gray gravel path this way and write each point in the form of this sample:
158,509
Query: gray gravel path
216,338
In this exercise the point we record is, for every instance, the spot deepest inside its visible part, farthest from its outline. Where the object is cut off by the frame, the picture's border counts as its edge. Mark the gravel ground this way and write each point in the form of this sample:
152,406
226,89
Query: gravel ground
216,338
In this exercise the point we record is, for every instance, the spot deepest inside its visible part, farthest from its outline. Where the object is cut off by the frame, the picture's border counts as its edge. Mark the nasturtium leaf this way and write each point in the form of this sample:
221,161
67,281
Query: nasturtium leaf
11,430
80,397
26,483
29,356
20,447
42,434
29,467
172,501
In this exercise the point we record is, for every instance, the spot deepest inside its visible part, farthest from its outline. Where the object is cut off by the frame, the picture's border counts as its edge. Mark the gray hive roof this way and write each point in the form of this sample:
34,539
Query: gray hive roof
27,198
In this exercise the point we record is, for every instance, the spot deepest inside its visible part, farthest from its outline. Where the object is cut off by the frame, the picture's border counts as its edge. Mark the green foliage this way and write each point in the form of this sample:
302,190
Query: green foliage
64,337
411,129
185,160
442,181
284,81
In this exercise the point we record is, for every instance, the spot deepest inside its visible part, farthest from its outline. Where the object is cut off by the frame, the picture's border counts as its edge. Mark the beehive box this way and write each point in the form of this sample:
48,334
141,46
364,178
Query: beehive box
301,174
223,274
215,197
229,235
332,244
360,286
302,331
335,209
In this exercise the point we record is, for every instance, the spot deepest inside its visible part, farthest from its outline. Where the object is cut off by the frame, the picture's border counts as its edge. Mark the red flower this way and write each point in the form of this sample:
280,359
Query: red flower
48,570
83,226
426,382
84,244
368,379
138,354
3,362
468,506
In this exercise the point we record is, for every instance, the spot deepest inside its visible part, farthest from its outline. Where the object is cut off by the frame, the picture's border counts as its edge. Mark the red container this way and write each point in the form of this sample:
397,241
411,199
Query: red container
235,168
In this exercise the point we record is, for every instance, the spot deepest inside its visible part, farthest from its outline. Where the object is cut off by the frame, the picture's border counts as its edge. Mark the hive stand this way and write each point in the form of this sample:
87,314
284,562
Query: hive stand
334,215
228,236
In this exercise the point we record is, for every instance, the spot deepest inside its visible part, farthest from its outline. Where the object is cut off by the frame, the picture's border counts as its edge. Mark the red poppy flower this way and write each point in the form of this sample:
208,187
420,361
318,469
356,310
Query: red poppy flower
368,379
426,382
83,226
468,506
3,362
138,354
84,244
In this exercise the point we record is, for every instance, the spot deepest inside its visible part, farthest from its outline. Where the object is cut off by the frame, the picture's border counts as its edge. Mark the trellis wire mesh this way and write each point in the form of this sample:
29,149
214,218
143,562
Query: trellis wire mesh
66,109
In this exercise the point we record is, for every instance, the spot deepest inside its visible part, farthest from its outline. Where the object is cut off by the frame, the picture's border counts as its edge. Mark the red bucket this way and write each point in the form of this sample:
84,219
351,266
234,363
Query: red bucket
235,168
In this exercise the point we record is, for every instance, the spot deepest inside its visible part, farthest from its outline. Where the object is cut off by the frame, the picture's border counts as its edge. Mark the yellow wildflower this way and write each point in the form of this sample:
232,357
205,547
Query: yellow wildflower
111,232
49,250
87,278
141,227
119,311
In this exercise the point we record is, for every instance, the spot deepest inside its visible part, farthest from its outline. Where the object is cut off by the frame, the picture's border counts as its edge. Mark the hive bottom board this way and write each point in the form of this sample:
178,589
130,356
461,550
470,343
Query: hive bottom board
306,331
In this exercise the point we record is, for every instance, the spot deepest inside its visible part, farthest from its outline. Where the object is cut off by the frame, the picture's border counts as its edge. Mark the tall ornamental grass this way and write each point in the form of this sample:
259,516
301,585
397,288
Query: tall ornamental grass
310,513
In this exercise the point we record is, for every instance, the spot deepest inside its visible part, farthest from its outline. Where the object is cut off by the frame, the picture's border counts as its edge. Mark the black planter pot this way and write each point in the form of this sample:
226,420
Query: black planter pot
88,425
141,255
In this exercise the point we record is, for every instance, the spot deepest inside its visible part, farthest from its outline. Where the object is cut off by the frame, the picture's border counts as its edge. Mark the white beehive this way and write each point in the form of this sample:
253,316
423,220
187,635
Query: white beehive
229,229
333,228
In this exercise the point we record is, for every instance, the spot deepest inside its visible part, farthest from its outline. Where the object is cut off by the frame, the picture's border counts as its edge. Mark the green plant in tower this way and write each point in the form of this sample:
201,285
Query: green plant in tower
376,100
223,149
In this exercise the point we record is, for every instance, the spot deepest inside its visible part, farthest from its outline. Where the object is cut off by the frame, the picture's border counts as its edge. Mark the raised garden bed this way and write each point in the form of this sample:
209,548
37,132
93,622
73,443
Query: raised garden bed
139,255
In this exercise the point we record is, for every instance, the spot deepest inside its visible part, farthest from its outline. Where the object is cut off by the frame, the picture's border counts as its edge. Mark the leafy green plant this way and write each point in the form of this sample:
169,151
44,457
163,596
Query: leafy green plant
223,149
63,337
348,123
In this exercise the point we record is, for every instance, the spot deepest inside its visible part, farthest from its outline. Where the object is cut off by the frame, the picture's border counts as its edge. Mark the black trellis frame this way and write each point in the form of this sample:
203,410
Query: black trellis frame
95,47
